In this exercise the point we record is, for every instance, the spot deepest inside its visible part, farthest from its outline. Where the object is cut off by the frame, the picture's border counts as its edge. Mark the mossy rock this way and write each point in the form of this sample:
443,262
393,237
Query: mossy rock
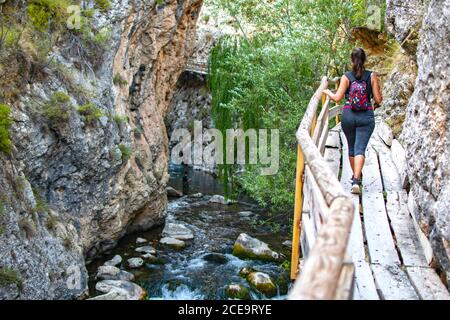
237,291
244,272
263,283
244,253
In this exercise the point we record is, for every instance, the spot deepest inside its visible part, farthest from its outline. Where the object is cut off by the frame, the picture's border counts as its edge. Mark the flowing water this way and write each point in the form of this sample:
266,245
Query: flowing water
206,266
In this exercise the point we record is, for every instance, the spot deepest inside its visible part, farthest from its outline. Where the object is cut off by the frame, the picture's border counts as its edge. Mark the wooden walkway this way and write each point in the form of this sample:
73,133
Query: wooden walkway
388,258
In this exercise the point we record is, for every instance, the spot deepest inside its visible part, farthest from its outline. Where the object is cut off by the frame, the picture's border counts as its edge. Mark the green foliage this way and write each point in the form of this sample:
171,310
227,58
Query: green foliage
90,112
51,222
9,276
58,109
48,14
120,119
103,5
41,202
126,152
118,80
267,79
5,124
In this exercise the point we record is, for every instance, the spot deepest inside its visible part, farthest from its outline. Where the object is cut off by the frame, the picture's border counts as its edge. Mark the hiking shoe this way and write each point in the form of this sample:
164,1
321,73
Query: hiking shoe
356,189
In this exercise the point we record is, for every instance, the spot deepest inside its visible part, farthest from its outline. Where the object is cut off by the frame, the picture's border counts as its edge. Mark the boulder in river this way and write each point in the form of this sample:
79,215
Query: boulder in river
172,192
141,240
172,242
245,214
146,249
113,273
135,263
245,271
287,243
125,289
237,291
221,200
196,195
177,231
247,247
262,283
151,259
115,261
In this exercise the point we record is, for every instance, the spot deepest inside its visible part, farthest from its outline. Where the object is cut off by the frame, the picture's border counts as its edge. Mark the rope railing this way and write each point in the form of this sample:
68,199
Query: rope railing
326,273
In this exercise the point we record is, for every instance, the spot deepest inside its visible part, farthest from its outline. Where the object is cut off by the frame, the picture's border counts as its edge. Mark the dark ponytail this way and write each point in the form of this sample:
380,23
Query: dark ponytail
358,60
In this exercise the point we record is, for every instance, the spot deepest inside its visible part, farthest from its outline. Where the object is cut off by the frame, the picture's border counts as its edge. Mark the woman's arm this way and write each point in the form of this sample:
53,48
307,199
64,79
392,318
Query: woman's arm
376,89
340,92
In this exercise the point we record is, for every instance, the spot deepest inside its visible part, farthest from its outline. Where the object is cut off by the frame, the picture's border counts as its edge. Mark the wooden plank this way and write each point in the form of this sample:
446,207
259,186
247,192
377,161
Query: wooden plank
364,281
406,237
355,247
378,233
337,110
308,235
371,178
333,159
427,283
398,155
322,122
393,283
319,208
346,282
333,140
323,137
389,172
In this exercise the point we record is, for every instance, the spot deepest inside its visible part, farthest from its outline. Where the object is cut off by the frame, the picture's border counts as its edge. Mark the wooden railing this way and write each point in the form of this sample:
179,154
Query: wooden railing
328,211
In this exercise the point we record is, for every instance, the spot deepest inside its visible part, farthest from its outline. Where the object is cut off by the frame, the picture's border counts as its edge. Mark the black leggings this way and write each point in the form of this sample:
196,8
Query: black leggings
358,126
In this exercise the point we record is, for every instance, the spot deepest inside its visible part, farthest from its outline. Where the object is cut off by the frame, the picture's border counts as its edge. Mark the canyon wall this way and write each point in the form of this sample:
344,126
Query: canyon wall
420,105
70,190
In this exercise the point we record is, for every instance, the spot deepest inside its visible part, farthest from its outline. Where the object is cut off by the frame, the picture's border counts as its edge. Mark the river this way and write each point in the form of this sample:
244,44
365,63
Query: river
206,266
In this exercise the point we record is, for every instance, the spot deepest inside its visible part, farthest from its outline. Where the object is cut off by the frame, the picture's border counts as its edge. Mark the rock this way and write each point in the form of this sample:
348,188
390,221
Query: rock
385,133
172,242
216,258
196,195
237,291
426,133
115,261
135,263
151,259
125,289
146,249
172,192
221,200
113,273
399,157
177,231
244,272
287,243
262,283
141,240
246,214
247,247
112,295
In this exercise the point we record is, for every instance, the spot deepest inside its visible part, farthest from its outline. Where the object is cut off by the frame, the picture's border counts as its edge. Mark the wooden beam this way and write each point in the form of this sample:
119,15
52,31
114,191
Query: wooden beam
297,213
320,276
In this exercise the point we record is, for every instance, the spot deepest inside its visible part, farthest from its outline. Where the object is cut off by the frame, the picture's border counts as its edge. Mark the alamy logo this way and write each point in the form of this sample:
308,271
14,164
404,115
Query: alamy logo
208,147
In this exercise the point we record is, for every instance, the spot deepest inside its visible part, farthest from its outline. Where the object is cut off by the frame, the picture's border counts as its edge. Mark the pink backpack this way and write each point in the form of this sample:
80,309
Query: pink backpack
359,92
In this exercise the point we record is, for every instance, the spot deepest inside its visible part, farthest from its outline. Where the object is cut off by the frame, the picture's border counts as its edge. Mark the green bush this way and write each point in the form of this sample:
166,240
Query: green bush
5,124
126,152
45,14
58,109
120,119
118,80
9,276
90,112
103,5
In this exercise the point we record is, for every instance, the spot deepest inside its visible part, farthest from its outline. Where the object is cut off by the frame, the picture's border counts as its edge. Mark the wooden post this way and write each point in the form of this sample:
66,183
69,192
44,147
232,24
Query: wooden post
337,116
297,213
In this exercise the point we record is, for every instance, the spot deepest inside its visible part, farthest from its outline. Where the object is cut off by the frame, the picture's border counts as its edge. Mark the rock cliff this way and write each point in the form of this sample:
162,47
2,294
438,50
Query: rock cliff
425,132
72,188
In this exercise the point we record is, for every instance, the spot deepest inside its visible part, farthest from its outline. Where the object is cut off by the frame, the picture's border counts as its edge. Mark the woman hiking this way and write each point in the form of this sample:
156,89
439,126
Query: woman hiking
359,87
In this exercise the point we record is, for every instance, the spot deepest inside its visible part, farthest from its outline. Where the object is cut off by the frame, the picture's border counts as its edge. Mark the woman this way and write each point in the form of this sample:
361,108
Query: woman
359,87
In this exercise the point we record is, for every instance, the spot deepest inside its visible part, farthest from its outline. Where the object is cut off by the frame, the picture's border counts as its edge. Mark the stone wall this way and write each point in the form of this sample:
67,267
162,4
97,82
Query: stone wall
71,192
426,128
